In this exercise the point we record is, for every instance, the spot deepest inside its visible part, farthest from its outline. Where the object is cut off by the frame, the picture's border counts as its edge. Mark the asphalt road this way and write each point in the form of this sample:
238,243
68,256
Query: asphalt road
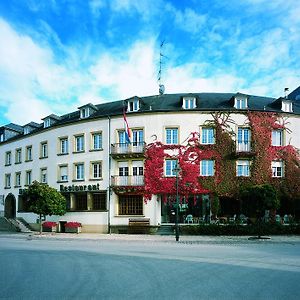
43,268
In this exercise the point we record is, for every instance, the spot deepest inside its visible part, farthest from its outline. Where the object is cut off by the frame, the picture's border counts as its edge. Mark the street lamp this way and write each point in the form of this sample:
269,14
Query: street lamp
177,170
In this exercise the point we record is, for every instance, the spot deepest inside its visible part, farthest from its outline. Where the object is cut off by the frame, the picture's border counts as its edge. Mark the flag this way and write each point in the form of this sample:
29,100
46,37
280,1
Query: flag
127,129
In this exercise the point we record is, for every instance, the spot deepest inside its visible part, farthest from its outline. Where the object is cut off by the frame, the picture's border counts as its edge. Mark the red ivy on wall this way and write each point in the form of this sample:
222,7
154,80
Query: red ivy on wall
225,182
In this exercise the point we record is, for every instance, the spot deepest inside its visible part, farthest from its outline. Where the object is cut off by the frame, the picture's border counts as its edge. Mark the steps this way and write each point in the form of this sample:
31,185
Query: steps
6,225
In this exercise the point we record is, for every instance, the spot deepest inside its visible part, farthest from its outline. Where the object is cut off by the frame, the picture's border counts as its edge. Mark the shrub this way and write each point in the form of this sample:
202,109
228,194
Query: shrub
49,224
73,224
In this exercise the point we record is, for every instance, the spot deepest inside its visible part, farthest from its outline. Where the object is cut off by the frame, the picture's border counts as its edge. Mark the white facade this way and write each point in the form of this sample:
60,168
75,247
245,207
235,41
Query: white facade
153,124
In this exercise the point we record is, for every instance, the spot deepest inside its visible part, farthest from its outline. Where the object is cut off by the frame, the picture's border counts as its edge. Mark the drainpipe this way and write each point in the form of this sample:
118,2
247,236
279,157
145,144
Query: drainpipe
109,174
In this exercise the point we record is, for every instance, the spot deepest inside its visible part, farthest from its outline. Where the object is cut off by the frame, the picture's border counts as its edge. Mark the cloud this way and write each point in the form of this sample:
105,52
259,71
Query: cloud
32,80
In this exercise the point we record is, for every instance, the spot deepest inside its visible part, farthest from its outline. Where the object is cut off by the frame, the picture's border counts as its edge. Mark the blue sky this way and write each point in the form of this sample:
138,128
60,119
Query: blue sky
56,55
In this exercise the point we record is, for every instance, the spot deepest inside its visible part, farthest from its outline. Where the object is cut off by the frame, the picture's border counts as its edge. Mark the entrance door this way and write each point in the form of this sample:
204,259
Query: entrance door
10,207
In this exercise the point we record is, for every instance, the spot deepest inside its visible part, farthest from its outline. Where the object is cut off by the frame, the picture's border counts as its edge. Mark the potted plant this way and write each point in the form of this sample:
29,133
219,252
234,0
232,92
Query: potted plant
49,226
73,227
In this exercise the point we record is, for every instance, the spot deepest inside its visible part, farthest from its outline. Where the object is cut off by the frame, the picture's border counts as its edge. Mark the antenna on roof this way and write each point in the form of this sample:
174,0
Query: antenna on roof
285,92
159,75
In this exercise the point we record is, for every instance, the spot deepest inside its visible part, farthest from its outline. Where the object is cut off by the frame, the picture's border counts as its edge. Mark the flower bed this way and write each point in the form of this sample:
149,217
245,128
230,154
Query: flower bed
73,227
49,226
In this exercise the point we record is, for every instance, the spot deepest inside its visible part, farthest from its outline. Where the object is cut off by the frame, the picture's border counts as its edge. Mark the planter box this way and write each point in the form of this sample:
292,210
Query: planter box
49,229
73,230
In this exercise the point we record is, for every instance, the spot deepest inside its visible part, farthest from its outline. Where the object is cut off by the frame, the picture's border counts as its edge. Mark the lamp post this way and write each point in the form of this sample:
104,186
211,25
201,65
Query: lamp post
177,170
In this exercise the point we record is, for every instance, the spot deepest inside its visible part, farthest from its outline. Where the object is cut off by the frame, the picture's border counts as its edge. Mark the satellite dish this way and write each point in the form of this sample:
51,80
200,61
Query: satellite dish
161,89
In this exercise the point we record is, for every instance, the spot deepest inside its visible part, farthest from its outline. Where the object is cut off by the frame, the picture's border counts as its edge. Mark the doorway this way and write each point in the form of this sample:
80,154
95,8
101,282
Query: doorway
10,207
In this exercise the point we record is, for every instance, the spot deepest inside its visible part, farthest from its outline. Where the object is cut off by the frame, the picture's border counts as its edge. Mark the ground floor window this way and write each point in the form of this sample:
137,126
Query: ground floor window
23,204
99,201
130,205
86,201
191,209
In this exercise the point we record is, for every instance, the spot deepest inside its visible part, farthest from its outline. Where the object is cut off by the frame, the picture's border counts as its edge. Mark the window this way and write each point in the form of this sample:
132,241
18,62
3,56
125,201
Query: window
133,105
26,130
44,175
47,123
123,171
207,168
28,154
137,171
277,169
137,137
130,205
97,141
243,139
7,181
63,173
2,137
81,201
79,143
99,201
8,158
208,135
96,170
171,136
64,145
243,168
84,112
18,159
240,103
277,138
79,171
28,178
189,102
287,106
170,165
44,150
18,179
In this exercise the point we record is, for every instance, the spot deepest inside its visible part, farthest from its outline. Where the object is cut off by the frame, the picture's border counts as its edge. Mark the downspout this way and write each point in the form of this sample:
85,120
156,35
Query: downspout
109,175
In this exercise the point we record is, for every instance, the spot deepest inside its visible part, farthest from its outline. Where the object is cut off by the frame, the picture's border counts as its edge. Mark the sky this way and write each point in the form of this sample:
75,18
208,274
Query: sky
56,55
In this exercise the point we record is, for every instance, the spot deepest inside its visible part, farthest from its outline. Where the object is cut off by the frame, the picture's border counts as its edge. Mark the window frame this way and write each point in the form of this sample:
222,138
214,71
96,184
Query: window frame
18,156
60,179
170,165
243,163
64,145
28,151
77,138
28,177
277,166
93,141
77,171
99,170
205,170
8,158
44,149
170,137
208,139
275,133
44,176
189,103
241,103
7,181
18,179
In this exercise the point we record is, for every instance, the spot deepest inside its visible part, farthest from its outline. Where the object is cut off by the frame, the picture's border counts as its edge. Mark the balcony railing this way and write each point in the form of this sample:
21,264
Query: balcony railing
127,180
243,146
128,148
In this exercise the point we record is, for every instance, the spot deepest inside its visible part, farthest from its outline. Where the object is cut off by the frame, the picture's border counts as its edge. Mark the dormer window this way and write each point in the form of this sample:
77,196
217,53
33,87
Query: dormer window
287,106
47,123
240,103
84,112
26,130
87,110
189,103
133,105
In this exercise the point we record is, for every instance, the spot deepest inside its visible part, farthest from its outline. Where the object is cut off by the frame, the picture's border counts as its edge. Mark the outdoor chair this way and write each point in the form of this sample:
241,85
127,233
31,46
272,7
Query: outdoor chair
189,219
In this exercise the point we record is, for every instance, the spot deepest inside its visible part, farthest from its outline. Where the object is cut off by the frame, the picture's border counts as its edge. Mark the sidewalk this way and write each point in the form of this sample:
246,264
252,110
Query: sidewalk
188,239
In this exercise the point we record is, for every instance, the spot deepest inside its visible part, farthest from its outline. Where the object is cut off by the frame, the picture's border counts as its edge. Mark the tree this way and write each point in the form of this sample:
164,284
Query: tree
45,201
258,198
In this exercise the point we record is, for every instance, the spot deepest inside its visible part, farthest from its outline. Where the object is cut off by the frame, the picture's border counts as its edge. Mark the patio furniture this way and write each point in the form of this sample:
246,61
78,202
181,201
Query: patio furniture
189,219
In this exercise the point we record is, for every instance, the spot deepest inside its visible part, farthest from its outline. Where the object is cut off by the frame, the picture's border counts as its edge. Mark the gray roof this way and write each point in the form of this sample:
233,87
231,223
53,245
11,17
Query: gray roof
173,102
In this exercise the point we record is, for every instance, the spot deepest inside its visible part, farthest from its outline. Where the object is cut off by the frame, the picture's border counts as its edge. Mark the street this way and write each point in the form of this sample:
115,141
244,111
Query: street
141,267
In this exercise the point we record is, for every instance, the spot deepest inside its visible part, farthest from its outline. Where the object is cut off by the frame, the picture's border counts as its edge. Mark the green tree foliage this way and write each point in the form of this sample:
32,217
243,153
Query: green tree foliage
258,198
45,200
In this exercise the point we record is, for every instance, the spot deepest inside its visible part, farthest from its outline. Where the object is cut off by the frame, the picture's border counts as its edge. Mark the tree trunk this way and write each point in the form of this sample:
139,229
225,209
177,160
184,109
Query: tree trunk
41,228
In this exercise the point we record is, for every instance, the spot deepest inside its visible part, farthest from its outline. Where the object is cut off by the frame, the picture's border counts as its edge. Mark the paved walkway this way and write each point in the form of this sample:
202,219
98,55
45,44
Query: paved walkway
154,238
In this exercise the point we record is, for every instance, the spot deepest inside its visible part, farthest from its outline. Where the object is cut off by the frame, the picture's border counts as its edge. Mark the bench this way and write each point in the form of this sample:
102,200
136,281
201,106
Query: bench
139,225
